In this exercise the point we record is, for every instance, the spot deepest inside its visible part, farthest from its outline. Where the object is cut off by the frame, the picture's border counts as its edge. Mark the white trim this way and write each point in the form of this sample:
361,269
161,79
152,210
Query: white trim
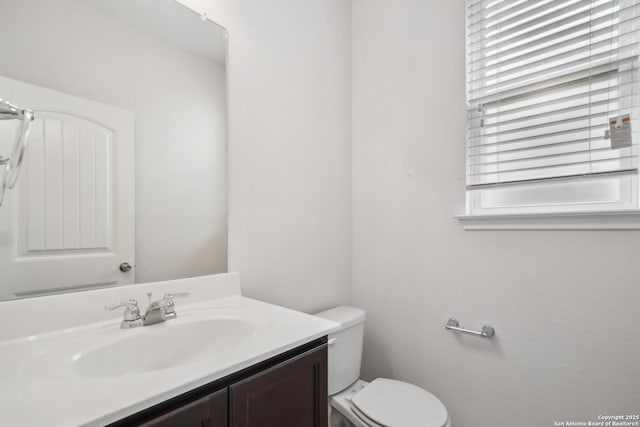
607,220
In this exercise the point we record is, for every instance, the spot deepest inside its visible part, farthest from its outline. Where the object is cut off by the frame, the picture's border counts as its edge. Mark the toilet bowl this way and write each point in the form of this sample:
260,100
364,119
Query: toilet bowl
380,403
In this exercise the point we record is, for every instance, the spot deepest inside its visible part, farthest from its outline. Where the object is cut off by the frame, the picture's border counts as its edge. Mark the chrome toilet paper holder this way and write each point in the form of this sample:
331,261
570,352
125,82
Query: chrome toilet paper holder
486,332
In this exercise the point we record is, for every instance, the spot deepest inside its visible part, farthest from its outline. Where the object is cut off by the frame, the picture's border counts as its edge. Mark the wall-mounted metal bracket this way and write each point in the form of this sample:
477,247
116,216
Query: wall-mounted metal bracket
487,331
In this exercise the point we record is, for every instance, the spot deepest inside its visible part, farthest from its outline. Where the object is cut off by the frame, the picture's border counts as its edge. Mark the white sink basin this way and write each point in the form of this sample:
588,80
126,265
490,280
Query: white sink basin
161,346
66,350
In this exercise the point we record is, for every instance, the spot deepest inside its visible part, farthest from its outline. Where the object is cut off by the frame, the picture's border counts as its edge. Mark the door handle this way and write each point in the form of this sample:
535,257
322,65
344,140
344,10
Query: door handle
125,267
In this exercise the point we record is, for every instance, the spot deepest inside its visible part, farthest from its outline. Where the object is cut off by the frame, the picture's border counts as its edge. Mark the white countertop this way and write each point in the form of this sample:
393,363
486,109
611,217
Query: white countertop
40,386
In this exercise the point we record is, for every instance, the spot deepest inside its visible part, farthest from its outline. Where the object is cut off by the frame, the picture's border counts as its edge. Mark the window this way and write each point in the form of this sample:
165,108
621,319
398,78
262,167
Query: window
553,114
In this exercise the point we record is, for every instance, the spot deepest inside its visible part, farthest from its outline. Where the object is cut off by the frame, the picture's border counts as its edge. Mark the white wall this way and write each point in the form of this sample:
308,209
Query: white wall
564,304
289,147
179,100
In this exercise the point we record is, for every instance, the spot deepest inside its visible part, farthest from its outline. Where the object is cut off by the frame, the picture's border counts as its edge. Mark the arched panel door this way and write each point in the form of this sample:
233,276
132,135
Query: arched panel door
70,220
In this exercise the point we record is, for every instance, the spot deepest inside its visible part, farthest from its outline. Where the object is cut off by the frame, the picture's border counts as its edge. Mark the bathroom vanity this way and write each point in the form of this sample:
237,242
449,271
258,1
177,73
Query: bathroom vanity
287,390
225,360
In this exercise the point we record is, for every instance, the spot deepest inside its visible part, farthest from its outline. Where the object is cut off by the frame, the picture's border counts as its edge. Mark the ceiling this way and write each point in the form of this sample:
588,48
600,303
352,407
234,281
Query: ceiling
172,22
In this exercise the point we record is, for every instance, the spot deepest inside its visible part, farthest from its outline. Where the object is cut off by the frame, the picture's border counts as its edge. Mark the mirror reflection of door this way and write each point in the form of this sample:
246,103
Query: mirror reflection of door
162,62
72,212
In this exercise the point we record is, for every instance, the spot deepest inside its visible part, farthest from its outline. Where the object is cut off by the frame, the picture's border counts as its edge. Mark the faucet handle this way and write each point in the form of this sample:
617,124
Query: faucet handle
170,310
113,306
131,312
177,295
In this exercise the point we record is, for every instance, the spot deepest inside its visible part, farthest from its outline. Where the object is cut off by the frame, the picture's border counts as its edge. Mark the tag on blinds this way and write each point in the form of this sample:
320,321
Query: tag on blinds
544,80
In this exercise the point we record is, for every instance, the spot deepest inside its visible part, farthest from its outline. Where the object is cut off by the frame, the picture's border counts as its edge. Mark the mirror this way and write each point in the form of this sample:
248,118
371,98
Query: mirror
124,178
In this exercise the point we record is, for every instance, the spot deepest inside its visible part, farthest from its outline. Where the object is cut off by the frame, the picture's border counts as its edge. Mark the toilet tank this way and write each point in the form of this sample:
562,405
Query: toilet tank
345,346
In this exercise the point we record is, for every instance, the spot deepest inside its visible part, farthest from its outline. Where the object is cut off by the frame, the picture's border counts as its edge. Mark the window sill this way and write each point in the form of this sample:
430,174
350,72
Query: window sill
606,220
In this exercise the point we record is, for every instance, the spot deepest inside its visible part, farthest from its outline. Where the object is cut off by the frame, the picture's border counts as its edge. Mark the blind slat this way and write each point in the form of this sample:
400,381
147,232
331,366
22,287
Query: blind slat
515,79
547,147
541,127
534,148
585,31
544,80
567,111
479,96
536,102
581,163
475,8
576,45
566,177
547,157
488,15
594,17
559,8
590,129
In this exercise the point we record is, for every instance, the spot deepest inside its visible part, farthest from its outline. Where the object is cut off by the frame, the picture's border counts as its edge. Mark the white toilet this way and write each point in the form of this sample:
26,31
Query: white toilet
380,403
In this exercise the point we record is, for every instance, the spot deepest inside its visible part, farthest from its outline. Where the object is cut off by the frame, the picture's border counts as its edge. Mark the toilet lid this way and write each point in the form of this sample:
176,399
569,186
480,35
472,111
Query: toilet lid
394,403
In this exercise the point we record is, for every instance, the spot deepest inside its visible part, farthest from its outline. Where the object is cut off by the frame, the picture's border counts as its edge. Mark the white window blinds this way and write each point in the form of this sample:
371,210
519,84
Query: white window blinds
552,87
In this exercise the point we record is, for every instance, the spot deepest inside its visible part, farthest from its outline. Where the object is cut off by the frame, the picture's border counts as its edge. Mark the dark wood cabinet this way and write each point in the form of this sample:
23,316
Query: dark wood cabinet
292,394
288,390
209,411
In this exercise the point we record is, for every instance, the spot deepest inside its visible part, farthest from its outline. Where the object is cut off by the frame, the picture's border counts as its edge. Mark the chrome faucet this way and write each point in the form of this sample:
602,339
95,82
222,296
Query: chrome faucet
157,311
132,317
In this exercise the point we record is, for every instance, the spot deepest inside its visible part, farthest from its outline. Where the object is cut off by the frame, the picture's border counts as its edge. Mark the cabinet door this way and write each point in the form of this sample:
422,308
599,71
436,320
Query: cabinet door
210,411
291,394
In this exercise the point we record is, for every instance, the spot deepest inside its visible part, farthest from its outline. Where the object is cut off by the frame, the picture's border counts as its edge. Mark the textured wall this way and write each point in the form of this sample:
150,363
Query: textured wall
564,304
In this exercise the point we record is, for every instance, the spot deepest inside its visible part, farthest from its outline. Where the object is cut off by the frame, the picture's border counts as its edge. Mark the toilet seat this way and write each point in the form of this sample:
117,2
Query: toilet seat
362,417
391,403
